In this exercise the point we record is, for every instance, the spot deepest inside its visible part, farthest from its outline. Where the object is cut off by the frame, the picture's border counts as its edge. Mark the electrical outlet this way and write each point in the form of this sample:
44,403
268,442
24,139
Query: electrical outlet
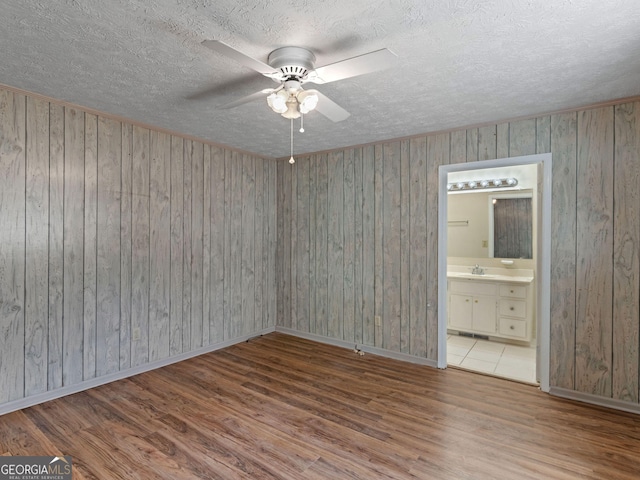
136,334
378,320
485,244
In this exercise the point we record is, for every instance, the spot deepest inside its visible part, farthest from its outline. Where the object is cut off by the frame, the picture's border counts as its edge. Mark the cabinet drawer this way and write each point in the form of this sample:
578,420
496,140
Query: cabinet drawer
512,327
472,287
513,291
513,308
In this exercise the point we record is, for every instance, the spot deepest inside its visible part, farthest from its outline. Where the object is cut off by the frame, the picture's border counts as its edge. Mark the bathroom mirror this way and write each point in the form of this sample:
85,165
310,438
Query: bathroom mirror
473,219
510,226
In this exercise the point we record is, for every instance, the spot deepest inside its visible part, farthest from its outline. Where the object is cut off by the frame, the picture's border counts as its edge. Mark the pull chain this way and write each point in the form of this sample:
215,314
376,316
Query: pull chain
292,160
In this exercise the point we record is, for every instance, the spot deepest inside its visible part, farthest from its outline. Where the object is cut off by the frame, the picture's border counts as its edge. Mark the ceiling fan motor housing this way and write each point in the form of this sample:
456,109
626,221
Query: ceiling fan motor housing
292,62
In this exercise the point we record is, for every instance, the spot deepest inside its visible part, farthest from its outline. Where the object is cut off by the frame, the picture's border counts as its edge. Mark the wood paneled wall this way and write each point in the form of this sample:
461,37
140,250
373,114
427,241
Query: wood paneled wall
357,239
121,245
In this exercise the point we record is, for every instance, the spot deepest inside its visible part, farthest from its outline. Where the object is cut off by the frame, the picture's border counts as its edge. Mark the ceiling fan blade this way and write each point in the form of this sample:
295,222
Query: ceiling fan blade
330,109
240,57
352,67
248,83
247,99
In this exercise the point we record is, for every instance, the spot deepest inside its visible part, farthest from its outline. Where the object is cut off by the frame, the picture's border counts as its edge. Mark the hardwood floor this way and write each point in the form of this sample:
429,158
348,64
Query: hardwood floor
283,407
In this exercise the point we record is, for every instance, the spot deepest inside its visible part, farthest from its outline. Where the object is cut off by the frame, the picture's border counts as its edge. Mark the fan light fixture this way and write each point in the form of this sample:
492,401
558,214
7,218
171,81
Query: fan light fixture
292,101
278,101
308,100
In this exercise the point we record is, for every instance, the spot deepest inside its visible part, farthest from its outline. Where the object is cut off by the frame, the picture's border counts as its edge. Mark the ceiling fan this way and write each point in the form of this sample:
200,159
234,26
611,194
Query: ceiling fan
292,67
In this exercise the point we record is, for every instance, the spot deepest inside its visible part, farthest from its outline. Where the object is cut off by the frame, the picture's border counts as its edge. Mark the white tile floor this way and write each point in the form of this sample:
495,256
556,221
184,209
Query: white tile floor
499,359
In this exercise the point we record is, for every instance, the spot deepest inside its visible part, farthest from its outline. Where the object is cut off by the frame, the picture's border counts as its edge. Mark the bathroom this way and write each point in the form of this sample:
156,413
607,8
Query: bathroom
492,240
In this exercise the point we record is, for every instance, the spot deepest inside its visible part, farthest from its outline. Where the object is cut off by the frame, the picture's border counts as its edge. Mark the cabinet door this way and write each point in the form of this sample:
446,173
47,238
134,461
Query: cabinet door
460,311
484,314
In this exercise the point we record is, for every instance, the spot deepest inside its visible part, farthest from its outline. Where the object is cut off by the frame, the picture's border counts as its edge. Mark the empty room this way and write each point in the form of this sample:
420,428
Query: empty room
285,239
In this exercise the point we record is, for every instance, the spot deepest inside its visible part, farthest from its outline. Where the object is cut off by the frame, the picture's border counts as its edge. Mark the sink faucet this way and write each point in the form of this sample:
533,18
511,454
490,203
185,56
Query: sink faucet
477,270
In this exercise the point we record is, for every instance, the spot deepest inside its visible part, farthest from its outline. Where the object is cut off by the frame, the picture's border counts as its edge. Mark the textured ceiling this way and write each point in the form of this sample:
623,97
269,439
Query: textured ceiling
460,62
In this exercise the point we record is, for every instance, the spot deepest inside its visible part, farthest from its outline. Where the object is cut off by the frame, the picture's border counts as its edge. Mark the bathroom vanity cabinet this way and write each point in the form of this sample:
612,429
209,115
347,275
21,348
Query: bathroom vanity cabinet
492,306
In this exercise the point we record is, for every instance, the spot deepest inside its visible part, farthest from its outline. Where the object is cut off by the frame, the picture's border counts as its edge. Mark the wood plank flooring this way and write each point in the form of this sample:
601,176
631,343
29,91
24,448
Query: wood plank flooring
283,407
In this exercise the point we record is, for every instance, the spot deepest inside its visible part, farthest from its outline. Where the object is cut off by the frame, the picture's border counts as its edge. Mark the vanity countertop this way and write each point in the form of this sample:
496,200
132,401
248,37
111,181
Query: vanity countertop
490,277
520,275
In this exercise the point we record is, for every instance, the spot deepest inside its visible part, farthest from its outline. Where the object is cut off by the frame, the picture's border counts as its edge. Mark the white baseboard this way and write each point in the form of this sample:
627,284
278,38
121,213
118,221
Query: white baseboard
405,357
556,391
95,382
595,400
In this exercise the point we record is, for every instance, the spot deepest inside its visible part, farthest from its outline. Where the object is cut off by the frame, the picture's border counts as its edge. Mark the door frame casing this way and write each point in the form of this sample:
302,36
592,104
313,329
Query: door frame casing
543,256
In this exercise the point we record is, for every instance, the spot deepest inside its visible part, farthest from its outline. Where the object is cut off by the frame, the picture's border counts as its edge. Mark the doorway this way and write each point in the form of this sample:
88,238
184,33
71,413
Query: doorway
474,337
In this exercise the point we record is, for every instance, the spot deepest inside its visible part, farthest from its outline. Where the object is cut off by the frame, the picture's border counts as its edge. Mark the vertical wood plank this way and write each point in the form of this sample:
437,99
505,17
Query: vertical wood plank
391,217
522,137
487,146
437,154
502,140
349,247
159,245
358,251
126,202
378,181
322,237
335,246
594,270
177,245
563,253
293,271
206,246
273,219
228,157
280,244
140,248
369,239
12,253
56,245
216,326
247,271
405,247
270,298
73,303
418,250
37,233
260,245
187,243
301,284
90,244
543,134
458,146
263,317
197,200
108,247
472,145
626,267
313,225
236,245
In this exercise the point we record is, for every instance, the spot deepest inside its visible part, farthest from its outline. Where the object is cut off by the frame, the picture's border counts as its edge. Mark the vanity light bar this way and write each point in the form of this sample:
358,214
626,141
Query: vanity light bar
480,184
